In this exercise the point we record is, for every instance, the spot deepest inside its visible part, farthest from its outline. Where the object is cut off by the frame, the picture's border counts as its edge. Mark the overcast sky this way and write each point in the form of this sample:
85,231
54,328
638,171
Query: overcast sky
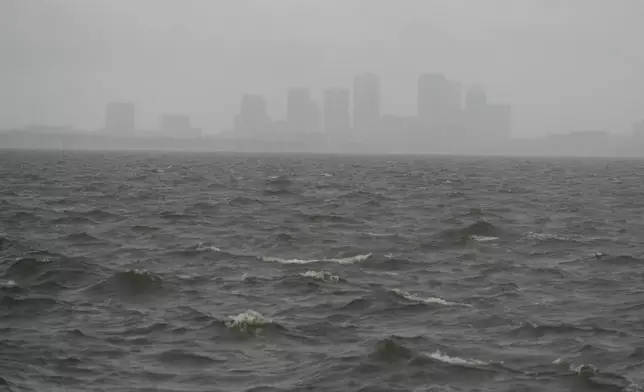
567,64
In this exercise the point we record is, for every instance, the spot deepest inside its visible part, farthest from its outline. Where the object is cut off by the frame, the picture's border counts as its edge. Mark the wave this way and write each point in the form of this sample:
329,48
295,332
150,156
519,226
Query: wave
479,238
82,238
441,357
144,228
250,321
283,181
71,220
345,260
480,231
182,358
206,247
535,330
203,206
391,349
428,300
9,284
243,201
279,192
5,243
551,237
322,276
599,379
131,282
623,259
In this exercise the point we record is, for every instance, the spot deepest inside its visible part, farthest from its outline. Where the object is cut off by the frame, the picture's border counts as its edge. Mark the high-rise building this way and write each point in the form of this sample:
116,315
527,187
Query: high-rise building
476,99
120,118
434,100
178,126
366,103
337,117
302,113
476,113
253,116
498,122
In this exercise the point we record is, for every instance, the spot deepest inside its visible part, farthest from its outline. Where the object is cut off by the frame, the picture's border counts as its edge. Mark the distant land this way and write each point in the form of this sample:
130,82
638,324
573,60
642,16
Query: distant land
572,144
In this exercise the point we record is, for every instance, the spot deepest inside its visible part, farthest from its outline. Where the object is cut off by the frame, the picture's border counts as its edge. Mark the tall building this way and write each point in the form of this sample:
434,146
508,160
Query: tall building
476,99
302,113
337,116
366,103
434,101
120,118
498,122
253,116
455,105
476,119
178,126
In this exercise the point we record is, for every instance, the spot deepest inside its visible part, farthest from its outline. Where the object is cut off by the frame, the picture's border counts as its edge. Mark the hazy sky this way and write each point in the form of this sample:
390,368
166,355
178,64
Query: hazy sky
562,64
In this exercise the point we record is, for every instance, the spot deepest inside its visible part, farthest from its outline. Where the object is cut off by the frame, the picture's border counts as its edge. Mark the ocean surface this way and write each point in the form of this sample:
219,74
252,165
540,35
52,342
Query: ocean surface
266,273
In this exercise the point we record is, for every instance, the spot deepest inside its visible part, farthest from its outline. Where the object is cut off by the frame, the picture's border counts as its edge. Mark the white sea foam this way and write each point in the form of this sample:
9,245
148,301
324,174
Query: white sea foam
429,300
346,260
8,284
321,276
439,356
247,320
480,238
203,247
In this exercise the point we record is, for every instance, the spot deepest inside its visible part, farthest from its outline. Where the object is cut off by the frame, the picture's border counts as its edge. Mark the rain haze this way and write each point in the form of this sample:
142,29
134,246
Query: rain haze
562,65
321,195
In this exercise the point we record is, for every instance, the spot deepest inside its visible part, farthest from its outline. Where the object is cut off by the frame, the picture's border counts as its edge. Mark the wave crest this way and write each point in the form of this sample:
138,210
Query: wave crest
428,300
249,321
441,357
345,260
322,276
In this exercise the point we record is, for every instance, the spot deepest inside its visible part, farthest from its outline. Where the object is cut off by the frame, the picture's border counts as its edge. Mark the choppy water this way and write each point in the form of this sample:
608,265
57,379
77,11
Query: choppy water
169,272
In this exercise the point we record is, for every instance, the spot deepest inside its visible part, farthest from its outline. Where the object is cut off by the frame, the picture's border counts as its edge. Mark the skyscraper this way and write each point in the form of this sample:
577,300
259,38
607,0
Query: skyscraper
476,99
178,126
476,111
301,112
366,103
434,101
498,122
253,117
337,117
120,118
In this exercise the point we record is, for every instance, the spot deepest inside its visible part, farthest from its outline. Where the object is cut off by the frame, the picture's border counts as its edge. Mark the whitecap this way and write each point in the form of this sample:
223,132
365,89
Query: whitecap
8,284
321,276
439,356
346,260
480,238
246,320
203,247
429,300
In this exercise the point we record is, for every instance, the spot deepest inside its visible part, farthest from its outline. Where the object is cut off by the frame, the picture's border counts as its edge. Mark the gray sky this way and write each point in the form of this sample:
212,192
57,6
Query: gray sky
562,64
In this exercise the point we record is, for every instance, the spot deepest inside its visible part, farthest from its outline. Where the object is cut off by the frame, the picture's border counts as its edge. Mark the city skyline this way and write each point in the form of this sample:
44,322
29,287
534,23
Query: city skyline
565,66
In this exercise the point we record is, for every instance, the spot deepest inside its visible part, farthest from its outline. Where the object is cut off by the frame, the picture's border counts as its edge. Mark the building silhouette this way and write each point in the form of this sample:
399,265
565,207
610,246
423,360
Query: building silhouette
178,126
302,114
366,103
253,117
434,101
337,116
120,118
498,122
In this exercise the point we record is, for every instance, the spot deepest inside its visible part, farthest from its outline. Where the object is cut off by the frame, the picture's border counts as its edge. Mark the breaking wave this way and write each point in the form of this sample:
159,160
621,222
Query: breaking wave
426,300
322,276
345,260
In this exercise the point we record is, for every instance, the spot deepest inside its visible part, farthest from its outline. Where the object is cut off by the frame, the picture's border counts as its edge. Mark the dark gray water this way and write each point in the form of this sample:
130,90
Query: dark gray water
169,272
